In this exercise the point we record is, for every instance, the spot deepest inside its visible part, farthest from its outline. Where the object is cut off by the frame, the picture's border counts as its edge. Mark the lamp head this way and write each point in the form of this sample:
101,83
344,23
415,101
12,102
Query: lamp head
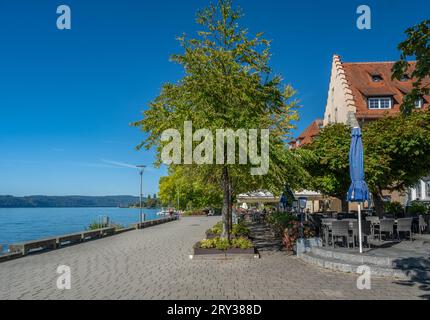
302,202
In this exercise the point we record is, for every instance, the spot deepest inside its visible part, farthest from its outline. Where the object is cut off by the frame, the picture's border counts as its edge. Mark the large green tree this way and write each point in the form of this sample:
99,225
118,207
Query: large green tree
397,153
417,45
227,84
396,149
182,190
326,161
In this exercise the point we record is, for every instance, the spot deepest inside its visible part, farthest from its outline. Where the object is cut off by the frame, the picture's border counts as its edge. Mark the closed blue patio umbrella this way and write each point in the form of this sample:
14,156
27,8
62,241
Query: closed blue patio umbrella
358,192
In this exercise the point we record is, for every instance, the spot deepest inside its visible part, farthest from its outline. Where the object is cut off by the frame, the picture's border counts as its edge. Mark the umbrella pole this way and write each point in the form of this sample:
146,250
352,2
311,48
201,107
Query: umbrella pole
359,229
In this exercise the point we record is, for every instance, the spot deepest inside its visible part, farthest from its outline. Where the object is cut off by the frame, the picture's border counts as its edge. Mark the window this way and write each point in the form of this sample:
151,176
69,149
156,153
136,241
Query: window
380,103
428,189
404,78
376,78
419,191
419,103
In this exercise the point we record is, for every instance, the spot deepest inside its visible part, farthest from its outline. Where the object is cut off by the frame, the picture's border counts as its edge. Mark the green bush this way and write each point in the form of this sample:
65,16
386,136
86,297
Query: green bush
194,213
223,244
216,243
418,208
394,208
242,243
96,225
279,221
216,229
240,230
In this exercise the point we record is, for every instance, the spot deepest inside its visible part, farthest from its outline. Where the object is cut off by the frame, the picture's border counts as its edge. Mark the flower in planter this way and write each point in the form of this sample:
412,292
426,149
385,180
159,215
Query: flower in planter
292,233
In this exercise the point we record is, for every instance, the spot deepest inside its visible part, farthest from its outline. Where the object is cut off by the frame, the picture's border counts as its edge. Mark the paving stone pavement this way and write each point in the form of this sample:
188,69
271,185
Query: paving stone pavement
154,264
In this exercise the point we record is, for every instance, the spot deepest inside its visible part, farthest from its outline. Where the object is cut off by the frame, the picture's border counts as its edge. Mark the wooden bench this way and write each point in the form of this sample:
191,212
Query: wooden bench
26,247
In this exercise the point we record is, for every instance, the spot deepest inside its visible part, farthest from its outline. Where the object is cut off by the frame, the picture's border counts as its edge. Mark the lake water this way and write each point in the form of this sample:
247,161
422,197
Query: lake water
24,224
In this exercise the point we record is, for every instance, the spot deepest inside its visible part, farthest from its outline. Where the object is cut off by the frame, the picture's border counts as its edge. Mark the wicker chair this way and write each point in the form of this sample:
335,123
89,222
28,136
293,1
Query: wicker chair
366,231
374,224
386,226
340,229
404,225
325,229
422,224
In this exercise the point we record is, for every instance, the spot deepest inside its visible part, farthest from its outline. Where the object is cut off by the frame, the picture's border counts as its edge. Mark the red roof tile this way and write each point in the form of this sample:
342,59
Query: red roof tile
359,77
309,133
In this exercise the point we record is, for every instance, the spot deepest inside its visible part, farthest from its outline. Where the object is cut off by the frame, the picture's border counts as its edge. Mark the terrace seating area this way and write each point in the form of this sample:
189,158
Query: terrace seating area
343,231
393,247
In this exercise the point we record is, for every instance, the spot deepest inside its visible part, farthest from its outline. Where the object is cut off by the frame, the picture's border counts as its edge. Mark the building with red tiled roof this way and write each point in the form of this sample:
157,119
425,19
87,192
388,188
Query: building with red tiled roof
363,91
308,134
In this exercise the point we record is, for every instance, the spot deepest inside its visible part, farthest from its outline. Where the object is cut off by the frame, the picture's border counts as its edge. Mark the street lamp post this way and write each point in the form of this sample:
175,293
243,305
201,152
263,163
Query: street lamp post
141,169
302,207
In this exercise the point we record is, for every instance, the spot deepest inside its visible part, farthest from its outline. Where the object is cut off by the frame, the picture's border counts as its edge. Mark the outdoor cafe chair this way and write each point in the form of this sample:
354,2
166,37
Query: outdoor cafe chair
374,224
325,228
366,231
340,229
422,224
386,226
404,225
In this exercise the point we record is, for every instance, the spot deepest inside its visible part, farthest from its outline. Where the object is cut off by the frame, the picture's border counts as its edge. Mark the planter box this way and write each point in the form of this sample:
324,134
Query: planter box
232,253
202,251
240,251
305,245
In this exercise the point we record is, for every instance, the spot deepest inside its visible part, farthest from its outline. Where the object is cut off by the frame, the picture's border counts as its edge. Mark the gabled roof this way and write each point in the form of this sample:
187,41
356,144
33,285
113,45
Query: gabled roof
359,78
309,133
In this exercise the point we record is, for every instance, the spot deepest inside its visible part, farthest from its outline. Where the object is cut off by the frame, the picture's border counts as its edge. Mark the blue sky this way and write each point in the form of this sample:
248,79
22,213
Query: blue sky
67,97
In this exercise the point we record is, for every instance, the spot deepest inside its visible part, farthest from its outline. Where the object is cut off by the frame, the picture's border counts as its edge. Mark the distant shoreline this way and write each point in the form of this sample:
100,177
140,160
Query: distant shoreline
41,201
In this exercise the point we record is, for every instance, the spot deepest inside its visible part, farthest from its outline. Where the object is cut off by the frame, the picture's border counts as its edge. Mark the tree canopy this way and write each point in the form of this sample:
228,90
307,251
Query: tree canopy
227,84
417,45
396,150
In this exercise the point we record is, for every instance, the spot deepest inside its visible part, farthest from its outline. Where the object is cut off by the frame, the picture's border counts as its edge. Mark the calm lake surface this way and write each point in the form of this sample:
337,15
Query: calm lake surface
24,224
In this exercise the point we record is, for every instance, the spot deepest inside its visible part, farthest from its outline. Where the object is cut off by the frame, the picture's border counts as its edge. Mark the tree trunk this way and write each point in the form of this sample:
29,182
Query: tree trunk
230,208
378,202
226,204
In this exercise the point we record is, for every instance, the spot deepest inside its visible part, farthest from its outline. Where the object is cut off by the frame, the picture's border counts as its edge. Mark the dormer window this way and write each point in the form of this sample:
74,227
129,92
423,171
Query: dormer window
376,78
404,78
419,103
380,103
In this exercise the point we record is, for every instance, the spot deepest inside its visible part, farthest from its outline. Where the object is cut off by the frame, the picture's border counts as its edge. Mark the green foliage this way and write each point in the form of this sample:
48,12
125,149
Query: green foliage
279,221
216,229
396,150
394,208
191,192
292,233
194,213
240,230
242,243
417,45
216,243
223,244
327,161
96,225
227,84
418,208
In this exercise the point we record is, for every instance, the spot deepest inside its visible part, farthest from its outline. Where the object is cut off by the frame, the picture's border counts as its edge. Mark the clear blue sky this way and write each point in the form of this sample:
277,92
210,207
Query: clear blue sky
67,97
